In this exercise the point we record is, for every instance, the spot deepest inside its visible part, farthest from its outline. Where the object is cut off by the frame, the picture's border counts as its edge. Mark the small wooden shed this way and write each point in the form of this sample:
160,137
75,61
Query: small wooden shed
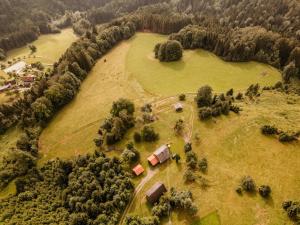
178,107
153,160
155,192
138,170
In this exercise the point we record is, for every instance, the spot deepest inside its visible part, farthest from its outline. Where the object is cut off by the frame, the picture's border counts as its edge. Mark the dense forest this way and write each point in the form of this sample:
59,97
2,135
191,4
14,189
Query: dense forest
91,189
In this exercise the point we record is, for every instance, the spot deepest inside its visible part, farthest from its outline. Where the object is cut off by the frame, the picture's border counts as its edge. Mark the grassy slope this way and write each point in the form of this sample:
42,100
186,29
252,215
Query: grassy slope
233,145
72,131
234,148
196,69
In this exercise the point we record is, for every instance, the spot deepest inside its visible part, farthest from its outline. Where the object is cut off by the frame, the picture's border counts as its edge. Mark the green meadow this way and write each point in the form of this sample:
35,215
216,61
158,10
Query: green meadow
197,68
232,145
49,47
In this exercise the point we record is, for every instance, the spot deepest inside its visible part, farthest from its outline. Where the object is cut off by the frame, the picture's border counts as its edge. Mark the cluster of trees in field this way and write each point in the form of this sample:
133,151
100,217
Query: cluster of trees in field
168,51
248,185
88,190
283,136
215,105
176,200
194,165
115,127
281,16
244,44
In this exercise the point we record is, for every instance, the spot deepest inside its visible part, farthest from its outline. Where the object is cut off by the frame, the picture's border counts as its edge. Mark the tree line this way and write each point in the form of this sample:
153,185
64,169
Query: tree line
244,44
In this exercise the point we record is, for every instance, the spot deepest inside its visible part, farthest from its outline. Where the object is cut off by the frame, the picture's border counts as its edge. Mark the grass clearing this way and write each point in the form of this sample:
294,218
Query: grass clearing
197,68
210,219
49,47
233,144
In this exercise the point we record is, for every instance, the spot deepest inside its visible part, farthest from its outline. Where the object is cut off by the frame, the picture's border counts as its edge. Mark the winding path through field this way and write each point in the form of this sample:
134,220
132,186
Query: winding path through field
149,175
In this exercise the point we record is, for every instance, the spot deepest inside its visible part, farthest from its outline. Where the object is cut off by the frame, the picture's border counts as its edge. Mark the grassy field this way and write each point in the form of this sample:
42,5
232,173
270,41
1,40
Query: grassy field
196,69
49,47
233,145
228,144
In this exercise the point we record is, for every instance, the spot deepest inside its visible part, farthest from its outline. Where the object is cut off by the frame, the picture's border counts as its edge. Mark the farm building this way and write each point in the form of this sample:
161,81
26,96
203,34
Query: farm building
178,107
5,88
155,192
153,160
16,68
138,170
29,78
161,155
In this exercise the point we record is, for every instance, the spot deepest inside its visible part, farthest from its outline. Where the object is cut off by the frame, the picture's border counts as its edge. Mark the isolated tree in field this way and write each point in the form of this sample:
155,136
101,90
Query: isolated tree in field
248,184
32,48
177,158
168,51
187,147
204,96
264,191
182,97
149,135
179,127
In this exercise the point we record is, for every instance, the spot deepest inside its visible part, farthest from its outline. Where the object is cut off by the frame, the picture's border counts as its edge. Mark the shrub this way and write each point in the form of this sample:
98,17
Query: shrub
149,135
188,147
203,165
162,208
268,130
264,191
285,137
191,159
147,108
189,176
230,92
239,96
205,113
235,109
179,126
239,190
248,184
182,97
204,96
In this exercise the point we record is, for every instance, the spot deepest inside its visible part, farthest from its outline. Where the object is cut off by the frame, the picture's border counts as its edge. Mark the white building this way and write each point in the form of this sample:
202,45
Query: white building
16,68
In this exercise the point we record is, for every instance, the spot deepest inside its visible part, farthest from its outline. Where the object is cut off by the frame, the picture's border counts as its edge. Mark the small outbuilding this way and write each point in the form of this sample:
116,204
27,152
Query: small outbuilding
153,160
178,107
155,192
138,170
29,78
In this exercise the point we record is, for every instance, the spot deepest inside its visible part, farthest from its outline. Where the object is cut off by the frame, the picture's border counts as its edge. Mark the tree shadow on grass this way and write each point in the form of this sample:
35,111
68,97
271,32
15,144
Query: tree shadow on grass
269,201
185,217
176,66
